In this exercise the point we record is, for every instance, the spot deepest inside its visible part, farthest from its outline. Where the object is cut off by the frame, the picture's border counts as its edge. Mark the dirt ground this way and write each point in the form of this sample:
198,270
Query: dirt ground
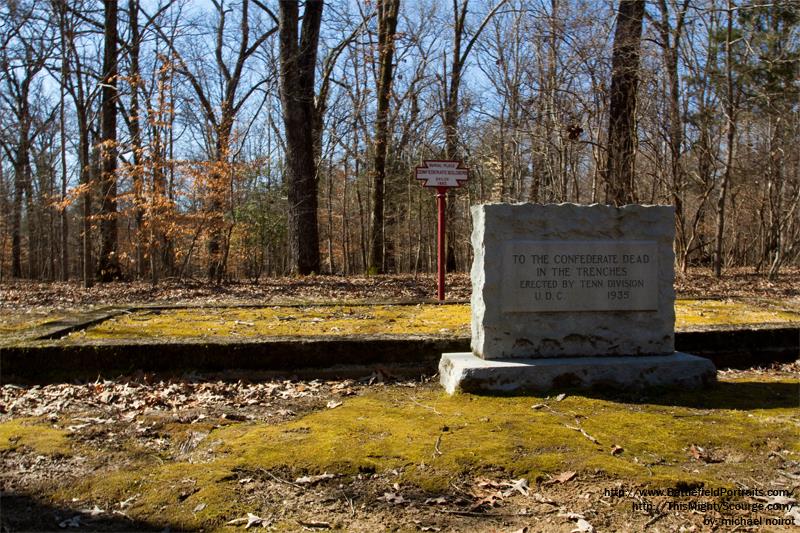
147,453
739,297
235,451
52,296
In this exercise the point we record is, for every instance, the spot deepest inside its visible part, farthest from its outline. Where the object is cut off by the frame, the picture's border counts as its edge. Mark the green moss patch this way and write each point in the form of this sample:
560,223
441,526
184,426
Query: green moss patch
34,434
13,322
437,320
731,312
431,440
289,321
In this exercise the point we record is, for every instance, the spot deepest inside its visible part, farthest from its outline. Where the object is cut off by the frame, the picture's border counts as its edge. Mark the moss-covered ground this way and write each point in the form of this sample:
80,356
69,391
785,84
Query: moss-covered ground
290,321
392,450
13,322
422,319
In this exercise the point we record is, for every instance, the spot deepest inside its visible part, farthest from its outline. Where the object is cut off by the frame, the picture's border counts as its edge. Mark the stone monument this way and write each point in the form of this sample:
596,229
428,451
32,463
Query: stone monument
567,296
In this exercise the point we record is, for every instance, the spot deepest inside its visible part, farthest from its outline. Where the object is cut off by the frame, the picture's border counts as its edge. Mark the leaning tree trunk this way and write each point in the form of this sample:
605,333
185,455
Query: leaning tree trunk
619,170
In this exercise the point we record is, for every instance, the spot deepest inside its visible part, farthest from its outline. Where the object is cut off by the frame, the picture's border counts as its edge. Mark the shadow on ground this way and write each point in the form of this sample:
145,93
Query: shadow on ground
24,512
739,395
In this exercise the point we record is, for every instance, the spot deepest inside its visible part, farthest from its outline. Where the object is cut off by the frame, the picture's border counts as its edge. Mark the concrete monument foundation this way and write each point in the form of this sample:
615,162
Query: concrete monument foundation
567,296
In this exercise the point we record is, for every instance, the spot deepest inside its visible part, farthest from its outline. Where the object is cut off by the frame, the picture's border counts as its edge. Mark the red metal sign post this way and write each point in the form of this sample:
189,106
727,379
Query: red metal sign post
441,204
441,175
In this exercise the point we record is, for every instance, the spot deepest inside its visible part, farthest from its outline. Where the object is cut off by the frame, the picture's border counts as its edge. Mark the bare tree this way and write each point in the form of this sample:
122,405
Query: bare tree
670,35
298,58
451,110
108,264
387,26
731,112
24,53
619,170
221,116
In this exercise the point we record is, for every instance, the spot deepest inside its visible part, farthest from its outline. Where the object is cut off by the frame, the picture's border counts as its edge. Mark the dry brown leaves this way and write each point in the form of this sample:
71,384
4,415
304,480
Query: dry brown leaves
144,394
24,294
738,283
698,282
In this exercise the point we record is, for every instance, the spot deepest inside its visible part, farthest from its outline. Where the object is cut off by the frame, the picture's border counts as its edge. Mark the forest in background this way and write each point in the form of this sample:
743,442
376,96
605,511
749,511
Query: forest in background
236,140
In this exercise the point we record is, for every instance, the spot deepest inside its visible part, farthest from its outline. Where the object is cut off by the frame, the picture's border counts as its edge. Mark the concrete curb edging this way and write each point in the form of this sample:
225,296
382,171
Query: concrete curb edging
46,360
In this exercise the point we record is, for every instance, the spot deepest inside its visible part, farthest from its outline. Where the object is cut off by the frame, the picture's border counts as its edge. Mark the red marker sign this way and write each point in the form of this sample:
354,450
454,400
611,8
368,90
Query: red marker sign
441,175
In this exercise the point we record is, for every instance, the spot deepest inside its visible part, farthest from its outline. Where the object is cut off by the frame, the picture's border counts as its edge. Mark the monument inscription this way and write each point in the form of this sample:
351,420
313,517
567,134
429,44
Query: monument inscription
580,276
572,281
572,296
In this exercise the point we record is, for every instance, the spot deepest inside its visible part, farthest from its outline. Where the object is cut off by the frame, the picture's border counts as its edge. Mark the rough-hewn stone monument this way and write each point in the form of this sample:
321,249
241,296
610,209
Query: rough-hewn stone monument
572,296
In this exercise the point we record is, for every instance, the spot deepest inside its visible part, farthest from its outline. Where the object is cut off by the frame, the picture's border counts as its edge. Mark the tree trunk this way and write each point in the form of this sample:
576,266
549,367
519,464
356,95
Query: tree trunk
16,215
63,133
670,42
387,26
331,263
136,133
108,263
621,157
217,181
31,218
297,69
730,115
86,181
451,112
451,116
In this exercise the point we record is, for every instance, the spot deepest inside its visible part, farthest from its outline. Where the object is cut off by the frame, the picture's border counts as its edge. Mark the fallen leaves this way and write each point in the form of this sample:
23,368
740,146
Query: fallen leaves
703,455
393,498
558,398
249,521
124,504
78,520
132,396
516,485
74,521
94,511
563,477
27,294
540,498
21,294
488,500
423,527
488,493
313,480
582,525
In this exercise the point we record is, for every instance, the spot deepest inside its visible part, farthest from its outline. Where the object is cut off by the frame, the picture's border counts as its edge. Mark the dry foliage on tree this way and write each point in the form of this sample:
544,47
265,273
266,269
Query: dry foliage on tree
242,139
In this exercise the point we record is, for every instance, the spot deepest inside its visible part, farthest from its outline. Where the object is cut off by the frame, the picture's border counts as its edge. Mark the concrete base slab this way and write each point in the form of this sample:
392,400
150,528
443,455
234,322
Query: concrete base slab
467,373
